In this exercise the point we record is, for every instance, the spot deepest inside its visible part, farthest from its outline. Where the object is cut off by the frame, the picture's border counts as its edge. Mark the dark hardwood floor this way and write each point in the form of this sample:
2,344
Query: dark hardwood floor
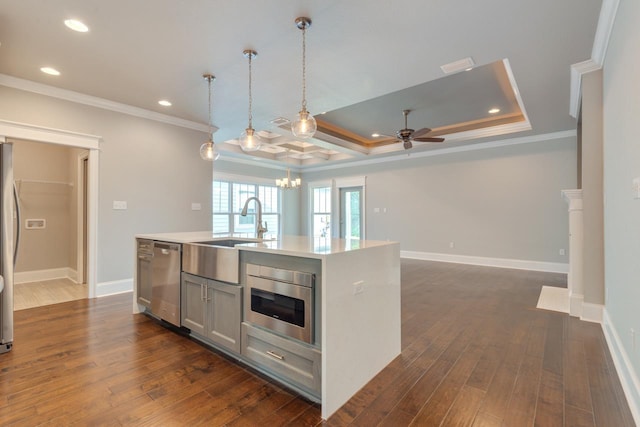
475,352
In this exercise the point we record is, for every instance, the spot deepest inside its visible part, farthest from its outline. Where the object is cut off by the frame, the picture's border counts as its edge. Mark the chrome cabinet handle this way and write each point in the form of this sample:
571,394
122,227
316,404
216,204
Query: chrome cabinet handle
276,355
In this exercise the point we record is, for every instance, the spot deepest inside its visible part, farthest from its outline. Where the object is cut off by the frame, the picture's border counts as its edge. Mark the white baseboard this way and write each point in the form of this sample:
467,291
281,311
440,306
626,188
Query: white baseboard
592,312
624,368
41,275
115,287
551,267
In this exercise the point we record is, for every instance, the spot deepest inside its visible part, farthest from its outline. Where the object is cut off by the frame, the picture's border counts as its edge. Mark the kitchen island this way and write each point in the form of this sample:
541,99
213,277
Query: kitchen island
357,309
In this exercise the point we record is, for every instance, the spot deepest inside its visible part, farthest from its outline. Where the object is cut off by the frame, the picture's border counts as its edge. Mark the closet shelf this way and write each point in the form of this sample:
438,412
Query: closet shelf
39,181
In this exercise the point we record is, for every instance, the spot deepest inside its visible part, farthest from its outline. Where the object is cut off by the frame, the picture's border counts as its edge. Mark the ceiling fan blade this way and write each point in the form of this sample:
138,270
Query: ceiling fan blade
428,139
420,132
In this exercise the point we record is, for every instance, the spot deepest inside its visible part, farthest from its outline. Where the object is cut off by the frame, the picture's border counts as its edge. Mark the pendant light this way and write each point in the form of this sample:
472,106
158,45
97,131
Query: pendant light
305,125
208,150
249,140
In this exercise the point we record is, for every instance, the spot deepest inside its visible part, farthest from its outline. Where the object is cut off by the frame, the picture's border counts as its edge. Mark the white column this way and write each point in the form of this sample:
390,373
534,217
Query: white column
576,242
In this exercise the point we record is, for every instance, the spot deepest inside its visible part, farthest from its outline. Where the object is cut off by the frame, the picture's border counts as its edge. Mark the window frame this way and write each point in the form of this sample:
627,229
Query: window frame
256,182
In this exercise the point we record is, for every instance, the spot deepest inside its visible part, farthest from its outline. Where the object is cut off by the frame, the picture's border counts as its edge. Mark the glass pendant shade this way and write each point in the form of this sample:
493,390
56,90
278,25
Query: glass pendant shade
208,151
250,141
304,126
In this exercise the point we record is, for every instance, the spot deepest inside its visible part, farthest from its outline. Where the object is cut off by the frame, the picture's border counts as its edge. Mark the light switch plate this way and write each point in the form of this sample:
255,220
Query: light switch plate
196,206
119,205
636,188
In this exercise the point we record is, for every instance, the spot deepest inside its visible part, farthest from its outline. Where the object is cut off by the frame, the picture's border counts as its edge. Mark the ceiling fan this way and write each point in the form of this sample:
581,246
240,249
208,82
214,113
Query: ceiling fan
407,136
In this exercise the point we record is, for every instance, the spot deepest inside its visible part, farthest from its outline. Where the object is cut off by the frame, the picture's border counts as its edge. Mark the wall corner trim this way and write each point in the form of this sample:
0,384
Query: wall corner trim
518,264
114,287
624,368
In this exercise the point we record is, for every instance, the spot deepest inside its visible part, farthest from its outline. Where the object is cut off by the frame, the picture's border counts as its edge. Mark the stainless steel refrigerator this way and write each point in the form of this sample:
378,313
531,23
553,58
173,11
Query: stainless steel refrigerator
8,250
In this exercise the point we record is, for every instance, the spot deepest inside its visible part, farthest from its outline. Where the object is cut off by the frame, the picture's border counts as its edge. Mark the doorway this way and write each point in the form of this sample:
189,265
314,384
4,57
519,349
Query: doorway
52,195
351,218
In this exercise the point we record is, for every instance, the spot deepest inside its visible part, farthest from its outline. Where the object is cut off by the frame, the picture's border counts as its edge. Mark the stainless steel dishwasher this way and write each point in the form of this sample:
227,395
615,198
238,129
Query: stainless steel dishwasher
165,282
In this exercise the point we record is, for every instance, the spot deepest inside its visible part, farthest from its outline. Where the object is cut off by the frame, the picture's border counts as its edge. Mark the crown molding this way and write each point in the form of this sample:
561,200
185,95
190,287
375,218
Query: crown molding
606,20
603,31
403,155
577,71
93,101
450,150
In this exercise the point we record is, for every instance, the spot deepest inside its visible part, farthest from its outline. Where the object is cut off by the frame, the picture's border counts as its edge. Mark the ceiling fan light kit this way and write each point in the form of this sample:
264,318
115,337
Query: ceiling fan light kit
305,125
208,150
407,136
249,140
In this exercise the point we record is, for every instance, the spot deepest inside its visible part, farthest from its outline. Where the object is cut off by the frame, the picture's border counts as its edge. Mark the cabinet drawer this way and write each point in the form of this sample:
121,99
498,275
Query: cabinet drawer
298,363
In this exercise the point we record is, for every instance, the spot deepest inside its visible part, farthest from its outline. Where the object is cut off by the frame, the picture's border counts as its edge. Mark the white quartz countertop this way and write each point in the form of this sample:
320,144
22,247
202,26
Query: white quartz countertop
286,245
198,236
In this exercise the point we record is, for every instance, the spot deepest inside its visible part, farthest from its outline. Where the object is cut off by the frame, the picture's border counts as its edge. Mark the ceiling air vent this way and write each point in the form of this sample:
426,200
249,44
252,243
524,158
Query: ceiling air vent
459,65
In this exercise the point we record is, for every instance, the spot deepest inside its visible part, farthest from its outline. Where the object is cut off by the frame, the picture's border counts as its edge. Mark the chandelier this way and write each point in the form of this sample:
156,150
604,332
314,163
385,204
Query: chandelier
287,183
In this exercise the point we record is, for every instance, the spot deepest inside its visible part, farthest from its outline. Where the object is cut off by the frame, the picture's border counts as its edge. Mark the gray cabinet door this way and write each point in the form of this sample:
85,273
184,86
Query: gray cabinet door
193,304
224,305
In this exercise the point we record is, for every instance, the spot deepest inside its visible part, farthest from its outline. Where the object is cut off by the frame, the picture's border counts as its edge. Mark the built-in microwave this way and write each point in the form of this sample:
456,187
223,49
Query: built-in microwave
280,300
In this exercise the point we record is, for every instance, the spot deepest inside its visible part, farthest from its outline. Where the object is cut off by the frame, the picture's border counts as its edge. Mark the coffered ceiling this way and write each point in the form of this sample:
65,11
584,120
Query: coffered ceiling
366,62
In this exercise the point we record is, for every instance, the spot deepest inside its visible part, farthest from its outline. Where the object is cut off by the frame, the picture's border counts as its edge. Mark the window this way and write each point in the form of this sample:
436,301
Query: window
321,217
228,200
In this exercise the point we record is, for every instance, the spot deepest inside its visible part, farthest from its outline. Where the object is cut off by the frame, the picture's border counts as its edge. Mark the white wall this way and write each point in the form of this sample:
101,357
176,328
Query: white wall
621,93
154,167
496,203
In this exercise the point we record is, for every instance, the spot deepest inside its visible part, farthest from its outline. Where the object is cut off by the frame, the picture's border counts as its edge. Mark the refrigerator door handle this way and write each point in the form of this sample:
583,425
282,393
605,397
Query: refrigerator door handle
16,198
1,284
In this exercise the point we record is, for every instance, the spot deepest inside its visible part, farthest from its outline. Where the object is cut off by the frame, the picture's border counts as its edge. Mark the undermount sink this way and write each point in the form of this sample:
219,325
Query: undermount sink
226,242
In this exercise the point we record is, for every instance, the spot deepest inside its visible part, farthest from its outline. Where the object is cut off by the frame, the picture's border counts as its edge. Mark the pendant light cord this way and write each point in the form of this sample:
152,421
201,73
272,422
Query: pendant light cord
304,68
209,78
250,97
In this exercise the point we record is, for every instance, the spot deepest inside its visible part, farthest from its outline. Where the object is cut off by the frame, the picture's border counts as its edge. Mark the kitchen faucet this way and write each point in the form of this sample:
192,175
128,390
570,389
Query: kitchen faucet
260,230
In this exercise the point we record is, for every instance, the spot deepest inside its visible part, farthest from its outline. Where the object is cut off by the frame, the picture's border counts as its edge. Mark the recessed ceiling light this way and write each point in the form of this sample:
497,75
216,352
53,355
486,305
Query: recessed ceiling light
375,135
494,111
76,25
164,103
50,71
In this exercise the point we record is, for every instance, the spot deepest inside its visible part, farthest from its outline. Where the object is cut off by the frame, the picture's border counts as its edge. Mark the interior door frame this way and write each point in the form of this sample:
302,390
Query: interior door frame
13,130
80,234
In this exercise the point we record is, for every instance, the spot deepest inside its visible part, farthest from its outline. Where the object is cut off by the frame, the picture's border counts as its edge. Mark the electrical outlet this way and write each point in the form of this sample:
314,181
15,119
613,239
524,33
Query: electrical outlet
562,252
358,287
452,245
120,205
196,206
